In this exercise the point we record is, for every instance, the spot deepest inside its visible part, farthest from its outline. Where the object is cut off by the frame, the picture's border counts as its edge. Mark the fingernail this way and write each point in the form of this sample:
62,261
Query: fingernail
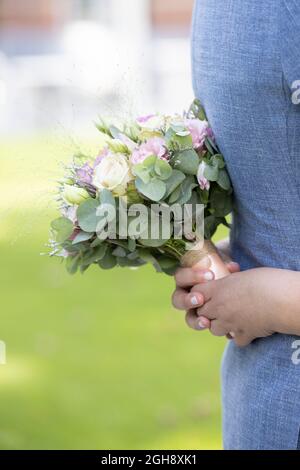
201,325
208,276
234,264
195,300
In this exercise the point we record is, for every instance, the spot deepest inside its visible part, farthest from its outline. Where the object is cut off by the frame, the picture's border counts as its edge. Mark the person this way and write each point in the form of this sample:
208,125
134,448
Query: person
246,64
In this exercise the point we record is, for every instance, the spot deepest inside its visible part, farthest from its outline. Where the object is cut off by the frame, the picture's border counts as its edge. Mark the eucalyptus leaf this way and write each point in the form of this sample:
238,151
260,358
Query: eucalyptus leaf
186,189
63,228
87,216
186,161
94,255
220,201
223,180
218,160
108,261
106,197
211,172
119,251
175,195
141,172
154,190
175,141
82,237
162,169
72,264
176,178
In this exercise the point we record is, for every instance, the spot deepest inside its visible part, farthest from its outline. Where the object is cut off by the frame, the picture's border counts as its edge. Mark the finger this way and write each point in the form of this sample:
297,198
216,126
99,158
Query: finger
233,267
217,328
183,300
206,289
207,310
186,277
205,322
192,320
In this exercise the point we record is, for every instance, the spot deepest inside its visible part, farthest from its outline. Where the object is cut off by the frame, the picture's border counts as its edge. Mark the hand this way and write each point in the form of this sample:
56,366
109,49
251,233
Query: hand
252,304
186,278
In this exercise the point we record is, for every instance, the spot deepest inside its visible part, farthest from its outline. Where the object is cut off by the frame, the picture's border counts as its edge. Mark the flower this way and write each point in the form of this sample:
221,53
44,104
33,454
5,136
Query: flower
151,121
85,174
199,131
153,146
112,173
74,195
203,182
103,153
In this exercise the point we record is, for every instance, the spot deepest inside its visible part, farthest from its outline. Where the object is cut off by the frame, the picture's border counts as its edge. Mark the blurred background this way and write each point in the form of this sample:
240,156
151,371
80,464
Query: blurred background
99,360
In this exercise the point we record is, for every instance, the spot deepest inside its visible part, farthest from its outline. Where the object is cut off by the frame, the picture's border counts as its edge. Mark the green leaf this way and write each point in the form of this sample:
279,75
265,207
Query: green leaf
108,261
175,141
176,178
197,110
186,161
120,252
72,263
212,144
186,189
96,242
220,202
211,172
218,160
223,180
162,169
82,237
210,226
63,228
106,197
149,162
141,172
154,190
94,255
86,215
175,195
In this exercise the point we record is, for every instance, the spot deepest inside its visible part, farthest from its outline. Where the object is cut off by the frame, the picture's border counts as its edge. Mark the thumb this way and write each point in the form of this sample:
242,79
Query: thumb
233,267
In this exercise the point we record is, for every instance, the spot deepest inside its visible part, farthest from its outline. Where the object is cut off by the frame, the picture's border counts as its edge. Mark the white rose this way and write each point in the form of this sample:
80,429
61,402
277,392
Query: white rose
73,194
112,173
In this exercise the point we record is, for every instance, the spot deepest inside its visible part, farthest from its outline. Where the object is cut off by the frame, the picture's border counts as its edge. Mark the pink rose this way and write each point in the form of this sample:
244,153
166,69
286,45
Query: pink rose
154,146
199,131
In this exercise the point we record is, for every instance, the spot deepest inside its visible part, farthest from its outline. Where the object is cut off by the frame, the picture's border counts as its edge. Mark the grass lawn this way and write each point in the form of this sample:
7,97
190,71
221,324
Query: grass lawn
99,360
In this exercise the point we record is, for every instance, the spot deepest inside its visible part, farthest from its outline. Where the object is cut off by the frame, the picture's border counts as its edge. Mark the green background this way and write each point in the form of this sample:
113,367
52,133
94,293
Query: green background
99,360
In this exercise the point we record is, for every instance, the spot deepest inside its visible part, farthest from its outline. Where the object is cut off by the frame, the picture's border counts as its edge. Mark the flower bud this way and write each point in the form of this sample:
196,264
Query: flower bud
74,195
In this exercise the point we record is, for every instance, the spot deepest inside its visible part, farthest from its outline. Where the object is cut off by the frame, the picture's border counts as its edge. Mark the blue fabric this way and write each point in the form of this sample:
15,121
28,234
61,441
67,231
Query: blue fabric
246,56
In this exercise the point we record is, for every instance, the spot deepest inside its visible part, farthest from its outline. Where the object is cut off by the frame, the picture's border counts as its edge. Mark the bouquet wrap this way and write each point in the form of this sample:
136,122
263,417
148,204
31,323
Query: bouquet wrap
205,256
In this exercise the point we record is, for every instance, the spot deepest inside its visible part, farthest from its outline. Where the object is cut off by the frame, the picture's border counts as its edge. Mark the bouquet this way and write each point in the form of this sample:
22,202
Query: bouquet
155,193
